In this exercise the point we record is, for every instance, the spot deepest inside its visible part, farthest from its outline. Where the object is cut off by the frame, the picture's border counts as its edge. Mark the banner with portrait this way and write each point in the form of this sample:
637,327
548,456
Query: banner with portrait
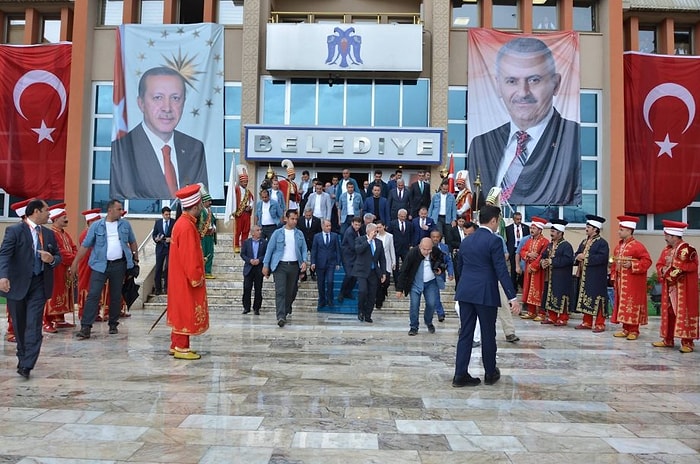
168,110
523,116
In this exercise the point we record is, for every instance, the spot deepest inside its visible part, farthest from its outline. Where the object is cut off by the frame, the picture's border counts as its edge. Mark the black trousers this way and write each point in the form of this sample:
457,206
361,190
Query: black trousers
115,273
254,280
27,316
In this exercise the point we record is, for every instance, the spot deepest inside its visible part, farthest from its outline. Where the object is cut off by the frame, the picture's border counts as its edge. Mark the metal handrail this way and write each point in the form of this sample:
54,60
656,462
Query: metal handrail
345,17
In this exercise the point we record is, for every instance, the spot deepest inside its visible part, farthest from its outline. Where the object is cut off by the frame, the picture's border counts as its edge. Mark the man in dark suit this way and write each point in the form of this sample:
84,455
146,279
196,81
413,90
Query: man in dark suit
370,271
535,157
399,198
153,160
419,194
28,255
376,204
483,267
422,226
402,230
252,253
325,260
515,232
162,230
309,226
347,250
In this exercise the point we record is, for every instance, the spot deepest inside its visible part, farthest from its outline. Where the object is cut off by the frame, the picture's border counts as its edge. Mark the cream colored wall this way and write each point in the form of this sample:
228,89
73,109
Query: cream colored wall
103,57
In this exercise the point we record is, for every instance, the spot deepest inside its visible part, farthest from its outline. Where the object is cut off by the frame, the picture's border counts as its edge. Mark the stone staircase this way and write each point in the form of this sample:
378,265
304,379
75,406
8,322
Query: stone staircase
226,291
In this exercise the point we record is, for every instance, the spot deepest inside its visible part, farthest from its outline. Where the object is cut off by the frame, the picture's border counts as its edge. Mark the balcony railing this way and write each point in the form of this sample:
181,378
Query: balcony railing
317,17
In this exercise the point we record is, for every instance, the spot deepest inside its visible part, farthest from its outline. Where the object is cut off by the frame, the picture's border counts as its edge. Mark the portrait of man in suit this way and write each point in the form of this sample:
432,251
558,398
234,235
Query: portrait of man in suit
162,231
153,160
534,157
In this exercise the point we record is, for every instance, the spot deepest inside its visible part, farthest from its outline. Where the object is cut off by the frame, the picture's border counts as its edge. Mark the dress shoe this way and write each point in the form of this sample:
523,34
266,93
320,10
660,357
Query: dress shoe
547,322
599,329
281,322
189,355
413,332
256,312
378,307
314,278
583,327
63,325
490,379
24,372
159,292
361,317
527,316
683,349
245,311
236,249
209,276
172,351
632,336
441,318
621,334
83,334
369,319
431,328
538,319
476,344
113,330
49,328
512,338
662,344
466,381
560,324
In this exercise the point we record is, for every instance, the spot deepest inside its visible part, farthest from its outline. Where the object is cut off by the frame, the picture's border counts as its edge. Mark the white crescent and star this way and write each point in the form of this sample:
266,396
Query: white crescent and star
40,76
669,89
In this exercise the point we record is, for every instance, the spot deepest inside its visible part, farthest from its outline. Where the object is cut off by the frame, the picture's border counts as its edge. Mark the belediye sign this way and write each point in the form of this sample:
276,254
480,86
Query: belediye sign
266,143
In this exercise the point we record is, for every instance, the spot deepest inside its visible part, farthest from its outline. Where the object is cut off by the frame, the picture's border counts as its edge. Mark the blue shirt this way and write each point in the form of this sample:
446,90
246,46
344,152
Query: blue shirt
96,239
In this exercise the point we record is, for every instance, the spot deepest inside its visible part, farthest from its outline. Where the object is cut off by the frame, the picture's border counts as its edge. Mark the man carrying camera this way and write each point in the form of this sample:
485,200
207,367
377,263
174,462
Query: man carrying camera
419,277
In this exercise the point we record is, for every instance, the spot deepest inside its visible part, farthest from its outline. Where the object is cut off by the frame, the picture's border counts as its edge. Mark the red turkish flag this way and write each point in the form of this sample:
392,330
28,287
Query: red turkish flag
34,119
662,132
451,174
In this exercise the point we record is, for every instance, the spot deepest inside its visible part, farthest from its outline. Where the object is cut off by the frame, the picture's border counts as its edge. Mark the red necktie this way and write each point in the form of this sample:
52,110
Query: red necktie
516,164
170,176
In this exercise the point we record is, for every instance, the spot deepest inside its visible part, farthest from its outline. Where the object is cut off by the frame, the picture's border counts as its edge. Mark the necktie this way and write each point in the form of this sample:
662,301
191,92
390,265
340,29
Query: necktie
516,165
401,194
371,247
327,240
422,223
401,227
170,176
308,224
420,186
37,258
165,228
350,199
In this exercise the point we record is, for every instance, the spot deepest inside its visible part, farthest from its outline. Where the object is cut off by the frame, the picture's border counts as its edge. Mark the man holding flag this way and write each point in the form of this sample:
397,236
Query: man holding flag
239,206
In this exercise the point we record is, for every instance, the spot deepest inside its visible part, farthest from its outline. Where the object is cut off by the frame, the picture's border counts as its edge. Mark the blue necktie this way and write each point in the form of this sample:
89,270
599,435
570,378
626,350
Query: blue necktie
371,246
37,257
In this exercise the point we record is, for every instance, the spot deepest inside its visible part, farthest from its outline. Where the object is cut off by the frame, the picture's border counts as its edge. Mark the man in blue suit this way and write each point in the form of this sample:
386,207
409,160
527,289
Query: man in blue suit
483,266
370,271
285,257
377,204
162,230
252,252
268,214
27,257
325,260
422,226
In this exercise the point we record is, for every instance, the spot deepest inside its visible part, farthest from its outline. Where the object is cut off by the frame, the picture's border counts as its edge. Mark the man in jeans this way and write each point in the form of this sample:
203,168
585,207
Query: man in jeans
419,277
114,250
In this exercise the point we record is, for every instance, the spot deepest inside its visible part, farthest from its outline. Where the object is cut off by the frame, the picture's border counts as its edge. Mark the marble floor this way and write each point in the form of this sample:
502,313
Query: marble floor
329,389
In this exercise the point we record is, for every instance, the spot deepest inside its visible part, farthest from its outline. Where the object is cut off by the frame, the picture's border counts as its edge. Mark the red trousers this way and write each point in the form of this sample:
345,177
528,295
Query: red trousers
179,341
242,229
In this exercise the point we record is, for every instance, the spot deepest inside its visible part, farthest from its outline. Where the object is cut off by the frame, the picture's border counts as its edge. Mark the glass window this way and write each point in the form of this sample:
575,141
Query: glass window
457,104
694,217
359,103
415,104
505,14
103,132
112,12
330,104
302,109
585,15
273,101
681,39
386,103
465,13
144,206
647,39
577,214
232,100
229,13
672,216
232,133
51,32
589,141
589,176
104,103
544,15
191,12
589,108
457,138
152,11
100,165
100,196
